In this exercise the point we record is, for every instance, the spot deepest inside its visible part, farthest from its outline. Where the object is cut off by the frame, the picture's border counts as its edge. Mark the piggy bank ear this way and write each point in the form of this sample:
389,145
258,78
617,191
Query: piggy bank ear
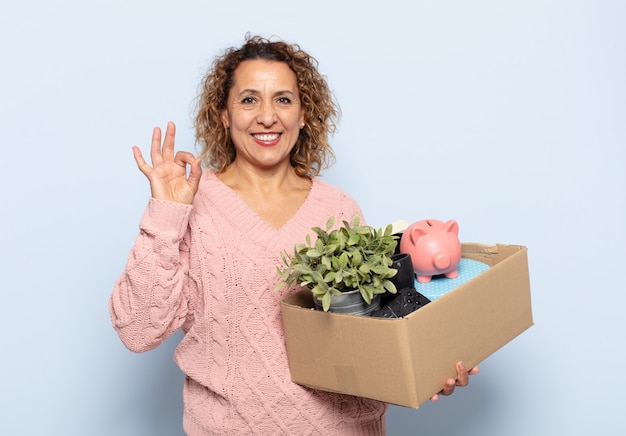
416,233
452,227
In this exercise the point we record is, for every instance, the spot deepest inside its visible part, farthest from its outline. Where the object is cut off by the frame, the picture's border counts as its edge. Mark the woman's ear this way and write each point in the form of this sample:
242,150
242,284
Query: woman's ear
302,118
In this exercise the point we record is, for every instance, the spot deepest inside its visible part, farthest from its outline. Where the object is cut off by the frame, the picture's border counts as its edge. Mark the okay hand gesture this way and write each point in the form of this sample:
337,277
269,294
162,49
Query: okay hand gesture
168,173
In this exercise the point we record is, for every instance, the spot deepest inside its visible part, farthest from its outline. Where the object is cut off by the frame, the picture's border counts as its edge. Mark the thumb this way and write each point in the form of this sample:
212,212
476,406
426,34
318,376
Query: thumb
196,173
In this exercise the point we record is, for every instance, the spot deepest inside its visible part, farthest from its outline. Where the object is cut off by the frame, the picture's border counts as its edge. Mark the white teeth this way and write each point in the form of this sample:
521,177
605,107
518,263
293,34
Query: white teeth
267,137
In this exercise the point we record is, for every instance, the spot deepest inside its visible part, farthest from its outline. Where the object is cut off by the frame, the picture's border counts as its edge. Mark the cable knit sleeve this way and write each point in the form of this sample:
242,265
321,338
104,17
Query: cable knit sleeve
149,301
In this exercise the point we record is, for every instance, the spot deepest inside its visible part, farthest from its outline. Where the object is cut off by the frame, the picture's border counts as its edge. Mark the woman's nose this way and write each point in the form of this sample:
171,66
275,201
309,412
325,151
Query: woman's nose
266,114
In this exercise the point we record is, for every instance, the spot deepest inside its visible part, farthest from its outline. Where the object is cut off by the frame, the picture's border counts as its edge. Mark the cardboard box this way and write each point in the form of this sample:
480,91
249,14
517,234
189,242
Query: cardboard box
405,361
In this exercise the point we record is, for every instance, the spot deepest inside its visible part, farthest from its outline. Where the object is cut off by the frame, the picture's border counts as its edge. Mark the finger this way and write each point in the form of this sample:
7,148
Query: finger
155,148
475,370
184,158
168,142
141,163
196,173
462,377
448,387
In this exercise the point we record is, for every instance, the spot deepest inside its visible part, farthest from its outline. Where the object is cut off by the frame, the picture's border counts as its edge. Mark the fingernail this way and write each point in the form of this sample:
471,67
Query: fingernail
461,366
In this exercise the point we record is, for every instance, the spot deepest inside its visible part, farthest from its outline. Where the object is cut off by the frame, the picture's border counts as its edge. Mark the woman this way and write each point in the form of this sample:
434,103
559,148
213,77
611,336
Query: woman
205,259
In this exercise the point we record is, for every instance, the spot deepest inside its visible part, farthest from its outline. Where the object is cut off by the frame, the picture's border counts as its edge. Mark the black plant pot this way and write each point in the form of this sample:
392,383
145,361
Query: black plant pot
399,236
405,278
350,302
406,301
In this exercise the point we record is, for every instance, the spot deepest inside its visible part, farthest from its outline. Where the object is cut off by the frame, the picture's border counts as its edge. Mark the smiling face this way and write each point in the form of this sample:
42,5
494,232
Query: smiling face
263,113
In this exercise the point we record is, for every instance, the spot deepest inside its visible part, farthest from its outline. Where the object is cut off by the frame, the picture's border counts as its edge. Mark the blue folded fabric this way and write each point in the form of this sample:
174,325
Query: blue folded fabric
440,285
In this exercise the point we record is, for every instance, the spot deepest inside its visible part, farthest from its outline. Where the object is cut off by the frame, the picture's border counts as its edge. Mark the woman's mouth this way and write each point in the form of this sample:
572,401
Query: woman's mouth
266,139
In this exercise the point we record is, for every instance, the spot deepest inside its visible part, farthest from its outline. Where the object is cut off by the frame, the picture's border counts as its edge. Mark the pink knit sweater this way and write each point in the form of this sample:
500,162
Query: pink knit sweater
210,269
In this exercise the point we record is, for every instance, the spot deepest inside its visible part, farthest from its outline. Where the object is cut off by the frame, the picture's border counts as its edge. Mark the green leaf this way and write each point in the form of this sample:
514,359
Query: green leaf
343,260
382,270
353,240
339,276
331,248
327,262
314,253
317,277
392,272
334,292
366,293
349,281
319,290
330,223
326,302
302,269
390,287
330,277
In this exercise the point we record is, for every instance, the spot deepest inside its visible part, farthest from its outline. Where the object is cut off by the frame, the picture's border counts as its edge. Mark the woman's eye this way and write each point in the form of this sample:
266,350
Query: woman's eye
284,100
248,100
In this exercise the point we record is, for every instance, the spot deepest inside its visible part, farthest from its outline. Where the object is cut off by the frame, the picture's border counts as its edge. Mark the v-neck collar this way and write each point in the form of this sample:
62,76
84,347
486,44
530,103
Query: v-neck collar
249,222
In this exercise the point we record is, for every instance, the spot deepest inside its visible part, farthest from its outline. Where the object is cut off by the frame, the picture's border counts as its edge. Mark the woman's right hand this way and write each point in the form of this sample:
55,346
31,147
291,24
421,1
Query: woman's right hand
168,173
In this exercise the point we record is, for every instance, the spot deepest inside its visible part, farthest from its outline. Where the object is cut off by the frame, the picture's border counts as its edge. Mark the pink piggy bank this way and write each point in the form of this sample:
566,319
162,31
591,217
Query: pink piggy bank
434,247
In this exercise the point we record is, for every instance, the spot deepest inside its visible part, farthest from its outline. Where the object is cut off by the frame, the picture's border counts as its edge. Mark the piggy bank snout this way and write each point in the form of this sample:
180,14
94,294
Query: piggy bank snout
442,261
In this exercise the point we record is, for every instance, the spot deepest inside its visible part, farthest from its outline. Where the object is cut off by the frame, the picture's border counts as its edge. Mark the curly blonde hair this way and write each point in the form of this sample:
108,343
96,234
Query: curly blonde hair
312,152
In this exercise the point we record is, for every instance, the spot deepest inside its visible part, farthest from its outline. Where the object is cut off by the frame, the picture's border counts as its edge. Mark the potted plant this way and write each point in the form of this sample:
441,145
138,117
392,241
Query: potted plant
350,261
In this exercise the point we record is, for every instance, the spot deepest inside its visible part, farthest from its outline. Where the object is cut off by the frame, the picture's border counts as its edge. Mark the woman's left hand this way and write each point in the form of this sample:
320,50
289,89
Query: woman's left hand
462,379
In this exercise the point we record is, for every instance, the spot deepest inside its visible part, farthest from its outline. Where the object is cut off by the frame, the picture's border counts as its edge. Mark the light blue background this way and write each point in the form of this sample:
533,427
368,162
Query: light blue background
509,117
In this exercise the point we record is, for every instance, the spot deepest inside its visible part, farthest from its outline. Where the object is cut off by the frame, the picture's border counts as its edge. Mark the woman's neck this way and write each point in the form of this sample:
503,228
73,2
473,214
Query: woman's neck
247,178
275,195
